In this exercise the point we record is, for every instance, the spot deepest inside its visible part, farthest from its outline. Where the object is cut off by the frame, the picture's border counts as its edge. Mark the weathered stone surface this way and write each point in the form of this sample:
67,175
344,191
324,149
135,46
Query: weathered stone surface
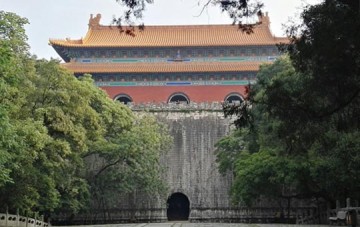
191,166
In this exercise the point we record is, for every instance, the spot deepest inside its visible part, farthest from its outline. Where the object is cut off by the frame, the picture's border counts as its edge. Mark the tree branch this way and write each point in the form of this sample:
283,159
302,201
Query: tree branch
107,166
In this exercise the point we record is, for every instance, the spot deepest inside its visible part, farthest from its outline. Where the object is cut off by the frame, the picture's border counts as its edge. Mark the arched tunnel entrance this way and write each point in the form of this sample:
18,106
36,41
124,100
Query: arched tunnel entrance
178,207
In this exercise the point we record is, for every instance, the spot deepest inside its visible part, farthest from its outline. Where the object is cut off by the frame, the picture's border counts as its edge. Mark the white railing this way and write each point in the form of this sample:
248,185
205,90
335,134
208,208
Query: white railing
15,220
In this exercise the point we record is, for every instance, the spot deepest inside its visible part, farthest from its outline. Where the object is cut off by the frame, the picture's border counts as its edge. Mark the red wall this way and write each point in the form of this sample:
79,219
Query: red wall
161,93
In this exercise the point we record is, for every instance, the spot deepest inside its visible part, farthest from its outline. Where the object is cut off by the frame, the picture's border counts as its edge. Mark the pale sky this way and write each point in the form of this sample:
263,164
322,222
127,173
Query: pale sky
69,18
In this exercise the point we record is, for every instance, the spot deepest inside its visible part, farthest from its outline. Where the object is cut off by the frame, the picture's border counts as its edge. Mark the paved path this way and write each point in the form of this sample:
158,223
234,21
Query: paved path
187,224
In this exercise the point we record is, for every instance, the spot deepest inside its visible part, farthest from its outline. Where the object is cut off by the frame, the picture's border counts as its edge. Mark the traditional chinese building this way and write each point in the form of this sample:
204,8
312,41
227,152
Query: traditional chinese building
192,63
198,66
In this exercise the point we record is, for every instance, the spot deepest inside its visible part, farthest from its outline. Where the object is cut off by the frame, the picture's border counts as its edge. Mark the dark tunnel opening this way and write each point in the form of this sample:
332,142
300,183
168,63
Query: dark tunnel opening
178,207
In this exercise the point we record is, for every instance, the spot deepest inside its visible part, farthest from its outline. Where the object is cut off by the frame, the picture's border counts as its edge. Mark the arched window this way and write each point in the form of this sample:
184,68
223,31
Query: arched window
179,98
123,98
234,98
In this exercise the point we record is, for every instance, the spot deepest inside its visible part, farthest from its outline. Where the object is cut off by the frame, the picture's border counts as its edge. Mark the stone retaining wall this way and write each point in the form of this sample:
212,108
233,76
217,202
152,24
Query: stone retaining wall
190,169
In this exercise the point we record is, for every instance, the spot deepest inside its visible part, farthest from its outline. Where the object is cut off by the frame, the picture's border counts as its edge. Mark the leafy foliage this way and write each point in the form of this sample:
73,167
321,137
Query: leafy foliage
51,122
12,31
130,162
266,174
228,150
303,113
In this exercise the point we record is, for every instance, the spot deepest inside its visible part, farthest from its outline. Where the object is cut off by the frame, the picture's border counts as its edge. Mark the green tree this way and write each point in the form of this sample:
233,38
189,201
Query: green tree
320,112
6,63
52,121
264,174
13,50
308,108
12,32
50,137
258,151
130,162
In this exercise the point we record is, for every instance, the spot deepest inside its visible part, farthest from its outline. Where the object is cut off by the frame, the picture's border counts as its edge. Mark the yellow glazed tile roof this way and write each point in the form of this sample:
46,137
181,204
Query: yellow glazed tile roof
172,36
162,67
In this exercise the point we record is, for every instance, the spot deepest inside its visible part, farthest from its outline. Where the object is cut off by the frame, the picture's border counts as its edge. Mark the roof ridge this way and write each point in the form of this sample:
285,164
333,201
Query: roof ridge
171,35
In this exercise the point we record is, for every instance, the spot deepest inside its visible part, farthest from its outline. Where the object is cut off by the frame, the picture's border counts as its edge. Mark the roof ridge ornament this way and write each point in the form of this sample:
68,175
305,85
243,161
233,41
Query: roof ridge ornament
94,22
264,18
